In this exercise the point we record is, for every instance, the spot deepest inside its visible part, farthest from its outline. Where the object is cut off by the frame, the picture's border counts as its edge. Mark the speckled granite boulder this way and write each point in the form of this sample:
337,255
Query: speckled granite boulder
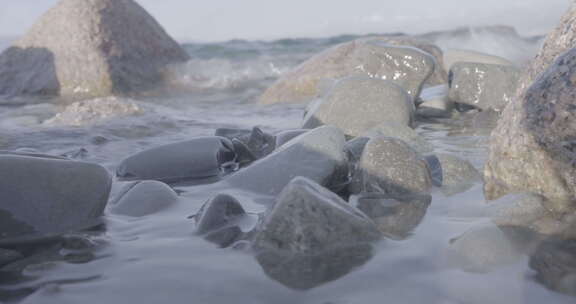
484,86
458,175
89,48
358,104
390,166
408,67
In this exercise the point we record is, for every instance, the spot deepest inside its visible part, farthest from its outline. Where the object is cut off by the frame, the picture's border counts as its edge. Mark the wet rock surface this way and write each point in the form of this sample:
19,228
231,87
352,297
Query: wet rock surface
218,220
458,175
407,67
143,198
91,48
555,264
72,196
484,86
454,56
356,105
402,132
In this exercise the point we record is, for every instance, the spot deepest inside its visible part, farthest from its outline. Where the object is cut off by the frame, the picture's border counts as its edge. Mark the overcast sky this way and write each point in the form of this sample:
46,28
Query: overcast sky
216,20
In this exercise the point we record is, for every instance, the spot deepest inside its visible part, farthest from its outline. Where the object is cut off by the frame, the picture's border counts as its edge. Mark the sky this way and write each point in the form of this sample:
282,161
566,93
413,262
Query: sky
218,20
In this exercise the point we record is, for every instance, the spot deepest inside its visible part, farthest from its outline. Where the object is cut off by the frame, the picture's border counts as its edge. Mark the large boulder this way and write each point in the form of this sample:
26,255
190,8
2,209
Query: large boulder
44,197
318,155
532,149
484,86
406,66
389,165
89,48
358,104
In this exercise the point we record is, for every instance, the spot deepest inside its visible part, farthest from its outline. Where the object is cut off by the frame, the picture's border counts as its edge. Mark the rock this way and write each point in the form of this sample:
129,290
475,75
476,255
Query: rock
355,147
435,169
407,67
307,271
555,264
47,197
454,56
434,103
528,211
484,86
144,198
358,104
95,111
309,219
286,136
90,48
390,166
257,142
458,175
404,133
218,220
532,149
318,155
199,158
396,218
484,248
8,256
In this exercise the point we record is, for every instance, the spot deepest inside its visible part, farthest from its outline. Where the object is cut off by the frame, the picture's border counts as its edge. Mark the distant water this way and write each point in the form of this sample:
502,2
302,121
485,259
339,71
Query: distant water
158,259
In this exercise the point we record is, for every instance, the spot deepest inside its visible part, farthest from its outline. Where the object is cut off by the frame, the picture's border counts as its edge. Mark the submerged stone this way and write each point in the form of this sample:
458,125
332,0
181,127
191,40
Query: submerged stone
555,264
217,220
310,219
390,166
89,48
408,67
202,157
144,198
484,86
47,197
358,104
395,217
318,155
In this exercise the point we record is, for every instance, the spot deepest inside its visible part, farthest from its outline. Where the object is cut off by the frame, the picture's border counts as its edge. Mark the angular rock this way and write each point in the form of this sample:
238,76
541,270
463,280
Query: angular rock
407,67
358,104
144,198
484,86
309,219
532,149
402,132
46,197
89,48
202,157
318,155
485,248
390,166
458,175
95,110
395,218
434,103
218,220
555,264
454,56
257,142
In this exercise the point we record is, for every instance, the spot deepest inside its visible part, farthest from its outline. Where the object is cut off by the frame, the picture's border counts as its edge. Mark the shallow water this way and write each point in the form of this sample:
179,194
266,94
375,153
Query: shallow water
158,258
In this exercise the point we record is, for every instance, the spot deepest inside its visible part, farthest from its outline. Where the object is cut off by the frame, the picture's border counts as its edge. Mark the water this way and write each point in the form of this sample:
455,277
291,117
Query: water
158,258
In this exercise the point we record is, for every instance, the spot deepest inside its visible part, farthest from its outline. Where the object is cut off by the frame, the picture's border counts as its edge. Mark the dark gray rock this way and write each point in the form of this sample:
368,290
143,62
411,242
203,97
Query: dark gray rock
46,197
396,218
458,175
198,158
435,168
256,142
89,48
217,221
309,219
532,149
390,166
408,67
144,198
358,104
318,155
555,264
484,86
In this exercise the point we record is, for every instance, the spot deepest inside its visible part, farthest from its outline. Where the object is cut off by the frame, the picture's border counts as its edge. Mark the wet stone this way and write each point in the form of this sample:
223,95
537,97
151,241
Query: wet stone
458,175
309,219
396,218
555,264
143,198
402,132
454,56
202,157
217,220
358,104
